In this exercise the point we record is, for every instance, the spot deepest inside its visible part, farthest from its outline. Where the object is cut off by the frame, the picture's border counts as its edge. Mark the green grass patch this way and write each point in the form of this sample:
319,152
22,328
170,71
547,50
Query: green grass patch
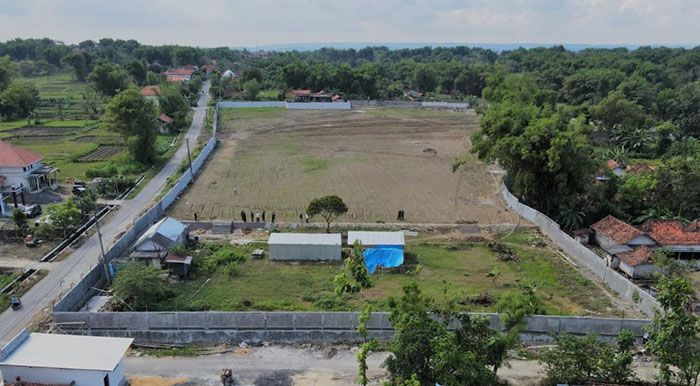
314,164
225,278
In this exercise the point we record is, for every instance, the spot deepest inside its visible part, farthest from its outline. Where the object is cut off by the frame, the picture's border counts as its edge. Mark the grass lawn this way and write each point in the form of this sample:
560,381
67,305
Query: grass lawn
57,87
5,279
445,269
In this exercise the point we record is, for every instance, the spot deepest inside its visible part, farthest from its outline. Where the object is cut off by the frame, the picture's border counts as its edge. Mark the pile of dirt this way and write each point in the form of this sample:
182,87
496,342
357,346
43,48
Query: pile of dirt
504,252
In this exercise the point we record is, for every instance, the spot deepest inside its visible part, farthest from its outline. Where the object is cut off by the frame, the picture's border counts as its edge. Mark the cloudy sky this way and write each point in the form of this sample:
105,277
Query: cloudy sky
209,23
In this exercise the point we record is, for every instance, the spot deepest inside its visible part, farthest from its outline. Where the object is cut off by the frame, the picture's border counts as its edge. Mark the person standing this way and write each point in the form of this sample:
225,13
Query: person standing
307,218
257,216
252,217
243,215
263,216
301,218
273,217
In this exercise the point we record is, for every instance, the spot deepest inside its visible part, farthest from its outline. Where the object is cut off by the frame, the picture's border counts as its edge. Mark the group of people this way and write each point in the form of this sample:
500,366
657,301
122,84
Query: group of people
257,216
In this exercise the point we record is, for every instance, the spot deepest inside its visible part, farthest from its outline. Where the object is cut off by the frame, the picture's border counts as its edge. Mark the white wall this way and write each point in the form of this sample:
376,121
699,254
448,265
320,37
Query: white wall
14,176
47,375
304,252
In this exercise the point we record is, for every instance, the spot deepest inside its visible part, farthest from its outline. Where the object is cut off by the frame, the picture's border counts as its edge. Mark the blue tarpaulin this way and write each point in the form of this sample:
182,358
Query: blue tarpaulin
387,256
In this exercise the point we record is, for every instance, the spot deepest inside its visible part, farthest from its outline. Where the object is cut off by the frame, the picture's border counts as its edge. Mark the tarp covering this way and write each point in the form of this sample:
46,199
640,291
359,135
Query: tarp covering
387,256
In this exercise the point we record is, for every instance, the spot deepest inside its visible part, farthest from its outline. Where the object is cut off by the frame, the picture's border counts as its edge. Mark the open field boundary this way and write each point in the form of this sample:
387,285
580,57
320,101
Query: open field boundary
258,327
286,105
96,278
581,255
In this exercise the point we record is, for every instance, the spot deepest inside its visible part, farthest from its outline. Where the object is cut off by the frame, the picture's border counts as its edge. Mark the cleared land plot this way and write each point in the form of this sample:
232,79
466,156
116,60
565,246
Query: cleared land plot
464,269
377,160
102,153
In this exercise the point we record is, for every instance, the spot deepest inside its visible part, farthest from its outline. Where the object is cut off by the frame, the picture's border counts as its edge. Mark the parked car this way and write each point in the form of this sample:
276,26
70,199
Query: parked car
32,211
79,190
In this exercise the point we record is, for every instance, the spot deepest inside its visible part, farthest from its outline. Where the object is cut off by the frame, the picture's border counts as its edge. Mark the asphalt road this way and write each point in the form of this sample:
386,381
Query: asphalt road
70,270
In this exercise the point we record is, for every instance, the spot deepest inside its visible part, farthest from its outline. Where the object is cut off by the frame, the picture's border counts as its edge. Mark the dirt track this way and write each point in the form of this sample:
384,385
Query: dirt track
378,161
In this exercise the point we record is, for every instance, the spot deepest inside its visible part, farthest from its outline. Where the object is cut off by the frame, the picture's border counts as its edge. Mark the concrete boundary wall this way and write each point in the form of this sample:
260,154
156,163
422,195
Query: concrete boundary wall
584,256
319,106
96,278
256,327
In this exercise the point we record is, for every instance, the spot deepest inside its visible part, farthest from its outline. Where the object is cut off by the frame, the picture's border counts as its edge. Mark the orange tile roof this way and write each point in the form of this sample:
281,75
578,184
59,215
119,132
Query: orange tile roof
176,78
165,118
150,91
302,92
612,164
616,230
179,71
638,256
671,232
13,156
640,168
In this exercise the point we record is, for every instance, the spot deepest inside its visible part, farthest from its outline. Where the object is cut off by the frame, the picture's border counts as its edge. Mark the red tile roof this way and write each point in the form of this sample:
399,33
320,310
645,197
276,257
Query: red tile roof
616,230
671,232
638,256
302,92
165,118
150,91
179,71
13,156
176,78
612,164
640,168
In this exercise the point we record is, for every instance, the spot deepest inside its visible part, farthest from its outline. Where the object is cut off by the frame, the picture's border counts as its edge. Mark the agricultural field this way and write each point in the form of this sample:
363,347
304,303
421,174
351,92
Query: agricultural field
61,96
474,270
377,160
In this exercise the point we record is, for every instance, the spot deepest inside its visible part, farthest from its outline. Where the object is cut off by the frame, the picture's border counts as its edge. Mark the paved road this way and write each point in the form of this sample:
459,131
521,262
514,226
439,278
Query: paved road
71,269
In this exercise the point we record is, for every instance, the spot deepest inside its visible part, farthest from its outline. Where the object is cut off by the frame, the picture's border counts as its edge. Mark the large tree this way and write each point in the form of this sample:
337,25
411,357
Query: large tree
328,207
173,104
7,71
18,100
109,78
141,287
131,114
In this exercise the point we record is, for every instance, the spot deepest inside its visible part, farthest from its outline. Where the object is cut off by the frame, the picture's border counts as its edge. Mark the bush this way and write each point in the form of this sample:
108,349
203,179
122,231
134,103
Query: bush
219,255
143,288
103,172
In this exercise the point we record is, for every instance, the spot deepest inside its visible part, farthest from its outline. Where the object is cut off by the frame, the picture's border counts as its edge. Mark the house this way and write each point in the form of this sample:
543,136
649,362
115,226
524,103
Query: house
616,236
637,263
150,91
182,74
305,246
55,359
166,124
179,265
301,95
672,235
321,96
154,245
381,249
23,170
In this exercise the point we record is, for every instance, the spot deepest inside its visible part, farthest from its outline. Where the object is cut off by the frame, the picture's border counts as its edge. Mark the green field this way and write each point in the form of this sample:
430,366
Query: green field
58,89
444,269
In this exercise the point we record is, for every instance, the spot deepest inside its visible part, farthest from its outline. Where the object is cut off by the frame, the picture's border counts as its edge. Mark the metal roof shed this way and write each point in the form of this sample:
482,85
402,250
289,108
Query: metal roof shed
62,359
372,239
305,246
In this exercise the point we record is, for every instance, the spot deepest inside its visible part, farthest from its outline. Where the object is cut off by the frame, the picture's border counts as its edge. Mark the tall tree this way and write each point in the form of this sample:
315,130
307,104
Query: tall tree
18,100
109,78
7,72
131,114
328,207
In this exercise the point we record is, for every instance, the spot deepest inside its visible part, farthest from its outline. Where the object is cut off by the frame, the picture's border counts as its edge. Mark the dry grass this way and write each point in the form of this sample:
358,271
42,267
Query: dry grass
378,161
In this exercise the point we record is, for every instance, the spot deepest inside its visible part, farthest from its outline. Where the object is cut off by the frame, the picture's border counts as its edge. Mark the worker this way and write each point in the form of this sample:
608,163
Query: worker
252,218
273,217
243,215
195,216
301,218
263,216
257,216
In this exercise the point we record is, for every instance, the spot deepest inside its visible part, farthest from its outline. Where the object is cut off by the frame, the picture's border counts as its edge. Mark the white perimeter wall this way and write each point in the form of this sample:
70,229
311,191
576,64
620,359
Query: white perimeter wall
304,252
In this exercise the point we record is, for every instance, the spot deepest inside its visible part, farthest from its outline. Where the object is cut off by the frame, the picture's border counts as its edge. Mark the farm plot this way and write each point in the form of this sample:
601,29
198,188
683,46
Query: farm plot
377,160
44,131
102,153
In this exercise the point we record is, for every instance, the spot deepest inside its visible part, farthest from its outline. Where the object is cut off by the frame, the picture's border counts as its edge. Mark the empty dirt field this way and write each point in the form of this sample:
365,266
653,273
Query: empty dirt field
377,160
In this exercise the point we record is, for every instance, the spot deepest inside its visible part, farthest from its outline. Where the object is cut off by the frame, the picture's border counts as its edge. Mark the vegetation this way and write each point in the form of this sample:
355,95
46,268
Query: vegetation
130,114
354,275
64,216
20,219
141,287
328,207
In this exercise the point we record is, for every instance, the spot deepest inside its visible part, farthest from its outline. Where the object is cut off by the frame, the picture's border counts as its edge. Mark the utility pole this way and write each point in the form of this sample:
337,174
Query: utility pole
102,249
189,157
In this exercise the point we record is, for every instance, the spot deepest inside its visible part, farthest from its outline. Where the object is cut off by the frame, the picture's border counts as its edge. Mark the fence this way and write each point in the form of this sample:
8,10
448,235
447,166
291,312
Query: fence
94,279
584,256
209,327
286,105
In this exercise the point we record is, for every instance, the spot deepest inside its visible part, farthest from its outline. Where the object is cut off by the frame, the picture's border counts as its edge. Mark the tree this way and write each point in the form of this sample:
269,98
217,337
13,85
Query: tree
137,70
7,72
87,202
586,360
109,79
354,275
64,216
251,89
674,332
18,100
130,113
424,79
20,219
173,104
94,103
367,346
81,63
141,287
328,207
614,111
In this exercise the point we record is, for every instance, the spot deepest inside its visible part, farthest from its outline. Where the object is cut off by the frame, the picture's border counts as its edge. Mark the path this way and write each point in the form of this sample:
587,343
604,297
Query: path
66,273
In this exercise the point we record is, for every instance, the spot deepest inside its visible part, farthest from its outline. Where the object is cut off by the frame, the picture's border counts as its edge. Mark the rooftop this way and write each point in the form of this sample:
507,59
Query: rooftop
671,232
165,119
69,352
616,230
305,238
180,71
13,156
376,238
150,91
638,256
168,227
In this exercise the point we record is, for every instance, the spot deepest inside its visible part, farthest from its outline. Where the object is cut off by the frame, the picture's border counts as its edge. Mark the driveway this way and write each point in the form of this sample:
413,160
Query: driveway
66,273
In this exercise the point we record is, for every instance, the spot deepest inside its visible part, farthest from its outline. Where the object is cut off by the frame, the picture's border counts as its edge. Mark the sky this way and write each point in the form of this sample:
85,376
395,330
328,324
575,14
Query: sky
214,23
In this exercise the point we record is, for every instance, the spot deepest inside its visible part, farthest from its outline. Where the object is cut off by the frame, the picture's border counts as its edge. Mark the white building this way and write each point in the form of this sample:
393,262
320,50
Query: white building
305,246
375,239
63,359
155,243
23,169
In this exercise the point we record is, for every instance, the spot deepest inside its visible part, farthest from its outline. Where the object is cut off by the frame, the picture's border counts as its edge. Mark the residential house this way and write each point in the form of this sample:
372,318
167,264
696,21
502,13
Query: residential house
151,93
166,124
24,170
301,95
672,235
637,263
616,236
182,74
55,359
154,245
